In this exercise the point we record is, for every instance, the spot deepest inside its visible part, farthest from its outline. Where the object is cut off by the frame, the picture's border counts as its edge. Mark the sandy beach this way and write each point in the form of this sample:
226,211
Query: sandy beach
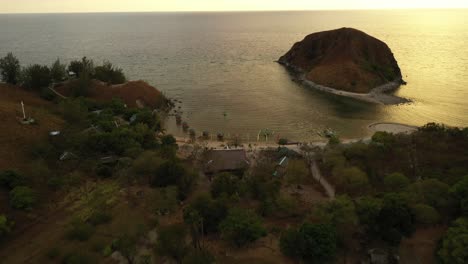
378,95
394,128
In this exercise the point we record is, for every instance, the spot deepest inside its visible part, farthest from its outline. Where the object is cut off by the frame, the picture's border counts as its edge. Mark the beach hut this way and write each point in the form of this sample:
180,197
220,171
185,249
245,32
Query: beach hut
226,160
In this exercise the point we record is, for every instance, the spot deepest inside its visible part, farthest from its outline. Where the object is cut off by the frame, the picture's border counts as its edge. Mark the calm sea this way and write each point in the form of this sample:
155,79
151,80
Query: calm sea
221,65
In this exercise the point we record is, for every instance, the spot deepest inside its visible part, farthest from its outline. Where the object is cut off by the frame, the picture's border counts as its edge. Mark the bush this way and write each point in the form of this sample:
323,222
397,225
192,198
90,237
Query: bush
283,141
104,171
241,227
454,244
425,214
22,197
224,183
312,243
109,74
100,217
79,230
78,258
5,226
172,243
167,174
53,253
198,257
36,77
10,69
11,179
165,200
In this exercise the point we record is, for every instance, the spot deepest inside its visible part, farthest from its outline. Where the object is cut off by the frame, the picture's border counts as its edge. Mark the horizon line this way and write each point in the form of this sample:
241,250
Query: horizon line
232,11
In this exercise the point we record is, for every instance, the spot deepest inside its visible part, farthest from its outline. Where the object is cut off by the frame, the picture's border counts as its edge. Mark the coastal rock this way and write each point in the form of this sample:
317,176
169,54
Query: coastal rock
345,59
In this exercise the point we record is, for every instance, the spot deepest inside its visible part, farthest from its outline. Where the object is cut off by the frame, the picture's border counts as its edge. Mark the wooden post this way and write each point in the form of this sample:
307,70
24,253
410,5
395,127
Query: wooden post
22,107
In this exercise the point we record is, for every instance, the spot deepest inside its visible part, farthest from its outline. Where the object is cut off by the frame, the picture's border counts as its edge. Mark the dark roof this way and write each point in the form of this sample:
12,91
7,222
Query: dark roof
226,160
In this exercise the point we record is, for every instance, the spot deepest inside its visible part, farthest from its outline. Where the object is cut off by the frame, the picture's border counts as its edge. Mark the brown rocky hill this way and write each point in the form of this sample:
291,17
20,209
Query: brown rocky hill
133,93
345,59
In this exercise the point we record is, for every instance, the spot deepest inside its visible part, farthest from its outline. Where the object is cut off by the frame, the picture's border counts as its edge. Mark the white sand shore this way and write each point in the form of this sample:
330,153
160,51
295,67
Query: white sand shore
392,128
378,95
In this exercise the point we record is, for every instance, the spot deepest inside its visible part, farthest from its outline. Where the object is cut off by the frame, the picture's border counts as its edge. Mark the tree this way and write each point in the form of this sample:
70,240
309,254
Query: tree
171,242
36,77
58,71
109,74
224,183
167,174
10,69
425,214
11,179
395,219
241,227
368,210
5,226
339,212
396,182
83,66
22,197
460,192
454,244
211,211
312,243
351,180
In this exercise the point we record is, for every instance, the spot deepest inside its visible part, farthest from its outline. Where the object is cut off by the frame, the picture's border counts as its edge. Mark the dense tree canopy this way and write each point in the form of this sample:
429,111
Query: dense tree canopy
10,69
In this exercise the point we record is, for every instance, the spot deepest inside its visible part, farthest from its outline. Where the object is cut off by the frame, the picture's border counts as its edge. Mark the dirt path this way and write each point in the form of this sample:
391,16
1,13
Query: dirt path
318,177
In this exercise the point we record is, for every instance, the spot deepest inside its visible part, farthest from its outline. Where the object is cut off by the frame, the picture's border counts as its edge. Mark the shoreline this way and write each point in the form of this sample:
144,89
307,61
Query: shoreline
378,95
390,127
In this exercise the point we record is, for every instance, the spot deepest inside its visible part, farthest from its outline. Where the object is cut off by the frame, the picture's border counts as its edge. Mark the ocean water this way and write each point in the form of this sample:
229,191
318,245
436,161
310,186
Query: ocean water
221,65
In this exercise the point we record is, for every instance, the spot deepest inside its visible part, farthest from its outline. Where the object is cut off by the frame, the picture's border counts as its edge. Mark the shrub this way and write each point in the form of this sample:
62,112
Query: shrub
5,226
78,258
198,257
172,243
11,179
22,197
104,171
241,227
100,217
283,141
53,253
165,200
36,77
126,245
167,174
312,243
79,230
351,180
10,69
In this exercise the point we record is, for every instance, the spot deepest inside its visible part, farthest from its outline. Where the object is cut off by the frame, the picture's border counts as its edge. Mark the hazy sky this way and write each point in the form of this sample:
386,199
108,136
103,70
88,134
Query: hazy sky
46,6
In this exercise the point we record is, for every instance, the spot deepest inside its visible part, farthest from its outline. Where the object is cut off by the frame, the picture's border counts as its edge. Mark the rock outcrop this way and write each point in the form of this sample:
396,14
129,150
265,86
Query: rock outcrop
345,59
